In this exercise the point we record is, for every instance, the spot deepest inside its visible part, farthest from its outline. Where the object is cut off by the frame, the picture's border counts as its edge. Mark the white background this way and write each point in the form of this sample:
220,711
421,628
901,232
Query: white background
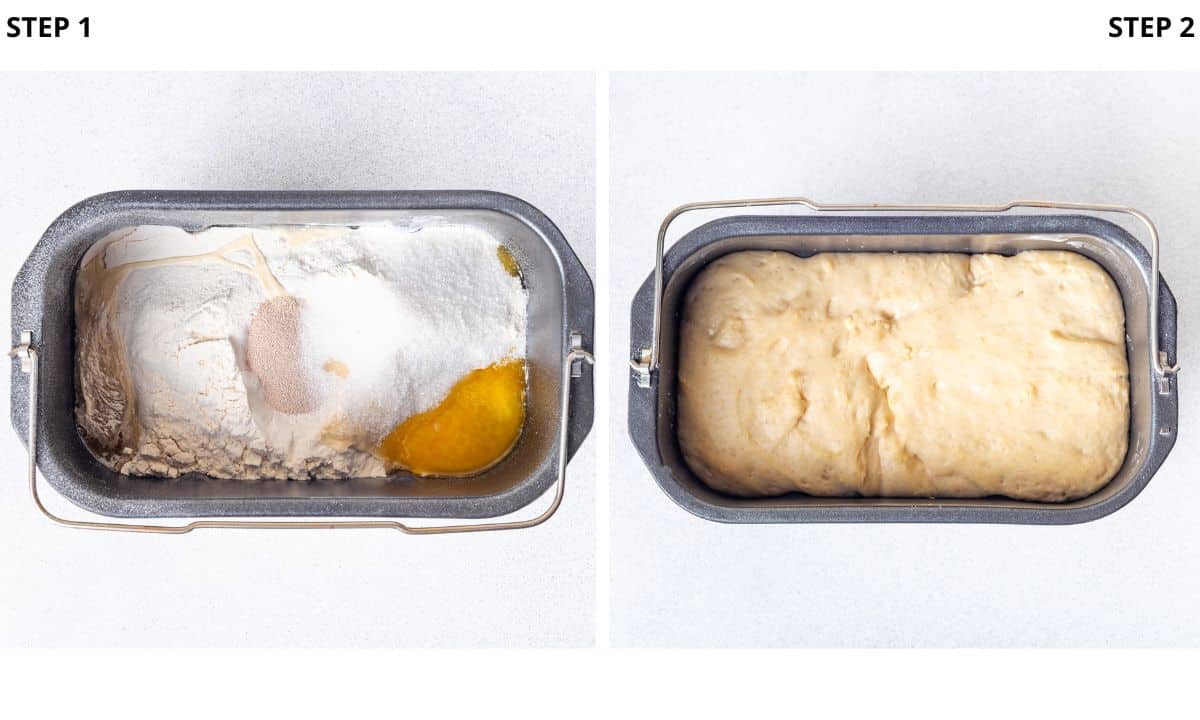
68,137
619,34
610,35
1131,579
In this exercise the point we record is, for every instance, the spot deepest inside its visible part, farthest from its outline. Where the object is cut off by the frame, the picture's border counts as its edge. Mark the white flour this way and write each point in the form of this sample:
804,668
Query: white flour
392,320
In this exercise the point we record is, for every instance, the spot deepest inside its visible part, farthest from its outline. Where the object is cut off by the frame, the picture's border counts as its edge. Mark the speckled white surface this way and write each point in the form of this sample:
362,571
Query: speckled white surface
68,137
1130,579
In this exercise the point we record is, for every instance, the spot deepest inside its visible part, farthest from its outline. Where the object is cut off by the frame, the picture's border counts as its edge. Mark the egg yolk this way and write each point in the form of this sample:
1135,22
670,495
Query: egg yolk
508,261
474,426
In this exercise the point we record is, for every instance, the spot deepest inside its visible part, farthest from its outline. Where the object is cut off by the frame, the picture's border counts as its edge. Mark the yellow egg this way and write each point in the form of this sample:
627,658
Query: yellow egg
508,261
475,426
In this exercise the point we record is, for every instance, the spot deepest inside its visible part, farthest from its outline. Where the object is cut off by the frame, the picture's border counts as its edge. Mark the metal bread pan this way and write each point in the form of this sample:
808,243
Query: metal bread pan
559,398
1153,385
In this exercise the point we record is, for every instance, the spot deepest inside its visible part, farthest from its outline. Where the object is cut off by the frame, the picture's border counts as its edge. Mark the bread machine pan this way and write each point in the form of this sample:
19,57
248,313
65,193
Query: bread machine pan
559,397
1153,385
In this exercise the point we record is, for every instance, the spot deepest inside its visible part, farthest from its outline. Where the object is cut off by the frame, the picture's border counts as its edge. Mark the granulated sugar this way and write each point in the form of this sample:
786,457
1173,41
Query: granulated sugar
281,351
404,316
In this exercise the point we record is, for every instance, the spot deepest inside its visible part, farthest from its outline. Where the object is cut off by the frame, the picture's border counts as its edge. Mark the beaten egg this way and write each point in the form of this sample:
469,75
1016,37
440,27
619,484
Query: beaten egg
470,430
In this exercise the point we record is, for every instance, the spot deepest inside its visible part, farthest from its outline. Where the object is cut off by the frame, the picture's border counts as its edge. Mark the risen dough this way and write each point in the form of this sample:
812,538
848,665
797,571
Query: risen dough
905,375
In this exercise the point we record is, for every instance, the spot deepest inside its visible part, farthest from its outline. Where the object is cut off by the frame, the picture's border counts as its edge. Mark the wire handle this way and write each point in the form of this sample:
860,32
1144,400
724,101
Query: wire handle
27,353
645,362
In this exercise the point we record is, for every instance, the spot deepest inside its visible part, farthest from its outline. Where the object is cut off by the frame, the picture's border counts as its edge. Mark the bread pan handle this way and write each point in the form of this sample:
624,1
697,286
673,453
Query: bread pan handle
26,352
645,361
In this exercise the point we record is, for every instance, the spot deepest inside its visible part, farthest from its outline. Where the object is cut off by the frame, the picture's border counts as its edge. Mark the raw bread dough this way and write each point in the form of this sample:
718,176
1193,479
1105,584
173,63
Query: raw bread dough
904,375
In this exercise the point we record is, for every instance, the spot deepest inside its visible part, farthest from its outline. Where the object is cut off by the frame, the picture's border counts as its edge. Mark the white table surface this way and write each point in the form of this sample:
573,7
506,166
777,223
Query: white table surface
68,137
1130,579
